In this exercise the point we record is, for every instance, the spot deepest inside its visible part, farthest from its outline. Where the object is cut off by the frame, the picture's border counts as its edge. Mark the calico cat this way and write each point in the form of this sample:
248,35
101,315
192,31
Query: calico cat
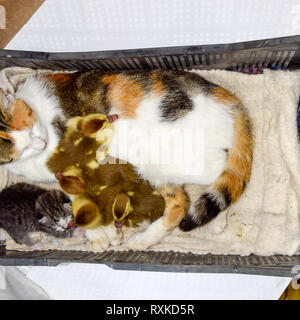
160,100
27,208
153,101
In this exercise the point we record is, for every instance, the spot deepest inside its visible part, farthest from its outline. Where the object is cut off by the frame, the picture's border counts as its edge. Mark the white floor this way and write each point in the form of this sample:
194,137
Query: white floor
74,25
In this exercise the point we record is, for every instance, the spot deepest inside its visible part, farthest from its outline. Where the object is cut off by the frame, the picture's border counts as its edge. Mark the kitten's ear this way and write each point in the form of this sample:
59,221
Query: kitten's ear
39,209
67,206
39,216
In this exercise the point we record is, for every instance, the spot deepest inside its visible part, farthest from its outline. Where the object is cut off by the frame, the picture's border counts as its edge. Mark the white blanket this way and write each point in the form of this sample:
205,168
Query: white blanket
265,220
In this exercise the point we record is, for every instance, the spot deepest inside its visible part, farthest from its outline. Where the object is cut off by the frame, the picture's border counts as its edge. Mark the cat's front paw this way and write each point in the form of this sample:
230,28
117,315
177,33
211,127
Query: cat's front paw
116,241
148,238
115,237
139,241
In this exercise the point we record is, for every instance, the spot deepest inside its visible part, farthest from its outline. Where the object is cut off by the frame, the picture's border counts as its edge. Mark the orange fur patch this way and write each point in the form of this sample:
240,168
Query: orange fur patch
124,94
22,115
5,136
176,206
226,97
58,78
237,172
157,86
239,163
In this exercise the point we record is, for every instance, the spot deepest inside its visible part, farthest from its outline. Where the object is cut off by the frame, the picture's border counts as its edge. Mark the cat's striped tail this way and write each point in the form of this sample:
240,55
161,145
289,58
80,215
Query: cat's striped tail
231,183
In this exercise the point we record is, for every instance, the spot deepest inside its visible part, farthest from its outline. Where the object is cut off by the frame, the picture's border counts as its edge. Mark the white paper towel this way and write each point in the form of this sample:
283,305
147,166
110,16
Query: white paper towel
93,281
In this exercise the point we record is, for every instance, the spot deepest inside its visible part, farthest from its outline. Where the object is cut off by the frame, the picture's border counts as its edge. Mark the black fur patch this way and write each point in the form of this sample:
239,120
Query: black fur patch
188,224
226,195
212,209
175,105
59,126
176,101
180,87
206,209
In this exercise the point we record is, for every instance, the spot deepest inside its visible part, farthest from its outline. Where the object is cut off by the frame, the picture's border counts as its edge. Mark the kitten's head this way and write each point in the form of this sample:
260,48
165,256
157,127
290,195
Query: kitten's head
54,213
21,134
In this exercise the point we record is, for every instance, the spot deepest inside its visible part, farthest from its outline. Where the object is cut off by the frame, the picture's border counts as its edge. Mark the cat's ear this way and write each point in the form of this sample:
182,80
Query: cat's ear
38,213
22,115
67,206
39,216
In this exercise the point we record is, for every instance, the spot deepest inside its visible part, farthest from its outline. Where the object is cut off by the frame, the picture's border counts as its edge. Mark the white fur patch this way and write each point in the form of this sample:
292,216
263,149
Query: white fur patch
146,239
188,150
63,223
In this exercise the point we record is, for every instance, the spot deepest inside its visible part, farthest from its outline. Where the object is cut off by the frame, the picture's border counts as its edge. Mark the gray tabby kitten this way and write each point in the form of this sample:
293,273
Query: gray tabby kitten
27,208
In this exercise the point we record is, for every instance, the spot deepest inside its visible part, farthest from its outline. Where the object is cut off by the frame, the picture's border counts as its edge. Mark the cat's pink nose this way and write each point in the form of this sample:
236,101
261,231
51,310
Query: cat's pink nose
39,143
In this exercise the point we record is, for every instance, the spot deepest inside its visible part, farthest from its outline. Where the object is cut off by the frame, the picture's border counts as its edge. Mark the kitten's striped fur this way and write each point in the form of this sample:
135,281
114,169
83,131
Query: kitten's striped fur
27,208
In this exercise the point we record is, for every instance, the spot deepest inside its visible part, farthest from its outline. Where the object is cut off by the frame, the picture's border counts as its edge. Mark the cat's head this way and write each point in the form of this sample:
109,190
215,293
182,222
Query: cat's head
54,212
21,134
